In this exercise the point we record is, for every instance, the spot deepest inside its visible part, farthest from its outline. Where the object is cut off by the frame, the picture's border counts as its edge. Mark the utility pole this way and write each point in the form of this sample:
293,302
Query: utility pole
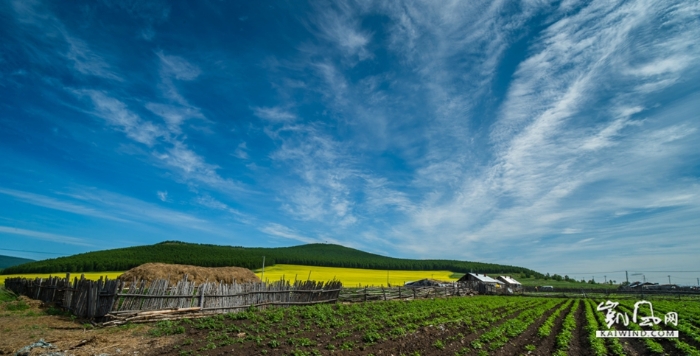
698,281
606,279
263,270
627,277
669,279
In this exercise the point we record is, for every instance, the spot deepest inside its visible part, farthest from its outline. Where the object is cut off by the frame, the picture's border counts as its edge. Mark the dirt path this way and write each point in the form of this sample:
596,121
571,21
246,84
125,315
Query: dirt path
579,343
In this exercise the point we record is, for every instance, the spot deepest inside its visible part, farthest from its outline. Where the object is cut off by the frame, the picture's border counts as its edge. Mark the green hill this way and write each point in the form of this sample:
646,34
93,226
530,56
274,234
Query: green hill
9,261
219,256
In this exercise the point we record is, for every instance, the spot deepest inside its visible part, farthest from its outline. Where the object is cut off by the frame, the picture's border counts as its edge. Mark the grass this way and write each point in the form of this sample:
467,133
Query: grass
532,282
351,276
6,296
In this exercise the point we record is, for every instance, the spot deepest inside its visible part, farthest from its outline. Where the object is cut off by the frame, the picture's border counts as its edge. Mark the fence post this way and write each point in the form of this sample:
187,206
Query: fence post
400,293
384,292
88,309
38,288
414,293
201,296
365,293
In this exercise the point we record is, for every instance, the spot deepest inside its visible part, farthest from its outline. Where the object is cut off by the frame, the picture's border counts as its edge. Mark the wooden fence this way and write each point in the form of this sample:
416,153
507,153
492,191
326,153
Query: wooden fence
406,293
82,297
142,300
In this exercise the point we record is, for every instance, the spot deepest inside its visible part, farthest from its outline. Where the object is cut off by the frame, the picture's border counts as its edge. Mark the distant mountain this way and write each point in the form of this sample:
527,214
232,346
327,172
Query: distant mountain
327,255
9,261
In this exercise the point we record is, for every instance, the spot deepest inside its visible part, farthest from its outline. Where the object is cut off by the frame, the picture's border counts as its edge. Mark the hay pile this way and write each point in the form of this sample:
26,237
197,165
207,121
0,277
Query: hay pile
175,273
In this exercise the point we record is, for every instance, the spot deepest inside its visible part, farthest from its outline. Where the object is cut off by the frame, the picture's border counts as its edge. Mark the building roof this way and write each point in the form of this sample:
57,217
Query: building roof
509,280
483,278
426,282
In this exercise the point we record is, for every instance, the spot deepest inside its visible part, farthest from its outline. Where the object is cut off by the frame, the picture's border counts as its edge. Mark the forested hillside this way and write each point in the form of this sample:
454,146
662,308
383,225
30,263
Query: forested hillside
220,256
9,261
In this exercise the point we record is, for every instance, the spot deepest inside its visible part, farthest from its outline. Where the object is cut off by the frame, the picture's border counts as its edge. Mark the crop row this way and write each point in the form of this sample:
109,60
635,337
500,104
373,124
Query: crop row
594,322
353,326
546,327
498,336
679,344
568,326
460,326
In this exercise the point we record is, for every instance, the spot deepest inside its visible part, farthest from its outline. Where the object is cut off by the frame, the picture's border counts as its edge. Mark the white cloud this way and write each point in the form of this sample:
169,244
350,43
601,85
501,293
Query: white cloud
86,61
117,114
45,236
53,203
178,67
163,196
342,29
174,115
275,114
241,151
556,162
287,233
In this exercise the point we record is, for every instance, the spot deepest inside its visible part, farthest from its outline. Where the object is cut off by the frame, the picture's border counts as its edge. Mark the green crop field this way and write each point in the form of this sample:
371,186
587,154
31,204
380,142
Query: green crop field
481,325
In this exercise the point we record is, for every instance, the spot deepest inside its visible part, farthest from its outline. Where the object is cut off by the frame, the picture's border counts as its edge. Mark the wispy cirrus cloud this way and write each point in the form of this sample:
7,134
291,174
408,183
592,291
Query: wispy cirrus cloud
338,25
546,136
274,114
116,113
57,204
45,236
50,37
278,230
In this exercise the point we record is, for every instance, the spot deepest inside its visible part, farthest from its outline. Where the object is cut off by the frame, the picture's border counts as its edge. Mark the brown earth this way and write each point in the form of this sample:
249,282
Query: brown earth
19,328
175,273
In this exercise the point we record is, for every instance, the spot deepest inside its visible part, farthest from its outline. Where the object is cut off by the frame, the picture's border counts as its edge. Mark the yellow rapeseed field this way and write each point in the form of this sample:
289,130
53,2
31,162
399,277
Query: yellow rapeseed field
351,277
89,275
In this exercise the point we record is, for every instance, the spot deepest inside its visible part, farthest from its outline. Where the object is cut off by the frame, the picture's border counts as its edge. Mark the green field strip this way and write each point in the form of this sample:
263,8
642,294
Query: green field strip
372,321
678,344
546,328
684,326
563,340
651,345
688,312
498,336
596,321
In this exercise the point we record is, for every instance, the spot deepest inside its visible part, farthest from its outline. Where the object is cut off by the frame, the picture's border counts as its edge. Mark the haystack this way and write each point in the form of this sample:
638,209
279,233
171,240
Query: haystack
175,273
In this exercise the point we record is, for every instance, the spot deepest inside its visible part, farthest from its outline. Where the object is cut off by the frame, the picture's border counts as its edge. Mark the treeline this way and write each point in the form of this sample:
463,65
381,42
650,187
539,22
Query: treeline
326,255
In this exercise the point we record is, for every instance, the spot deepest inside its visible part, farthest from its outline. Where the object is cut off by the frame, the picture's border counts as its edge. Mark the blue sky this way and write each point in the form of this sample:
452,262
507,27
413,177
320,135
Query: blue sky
557,136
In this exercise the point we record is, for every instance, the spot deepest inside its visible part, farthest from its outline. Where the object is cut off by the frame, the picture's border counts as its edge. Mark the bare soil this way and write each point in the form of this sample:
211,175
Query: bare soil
175,273
19,328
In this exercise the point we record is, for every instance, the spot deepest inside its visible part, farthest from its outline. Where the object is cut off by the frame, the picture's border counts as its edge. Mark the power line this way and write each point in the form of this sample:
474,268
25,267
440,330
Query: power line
46,253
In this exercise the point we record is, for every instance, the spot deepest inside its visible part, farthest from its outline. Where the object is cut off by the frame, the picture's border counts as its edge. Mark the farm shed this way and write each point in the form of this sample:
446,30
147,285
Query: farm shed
510,282
486,284
639,285
475,277
427,282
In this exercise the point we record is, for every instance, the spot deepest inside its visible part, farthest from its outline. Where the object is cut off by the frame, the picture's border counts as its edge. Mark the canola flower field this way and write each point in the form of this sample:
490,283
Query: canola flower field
350,277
